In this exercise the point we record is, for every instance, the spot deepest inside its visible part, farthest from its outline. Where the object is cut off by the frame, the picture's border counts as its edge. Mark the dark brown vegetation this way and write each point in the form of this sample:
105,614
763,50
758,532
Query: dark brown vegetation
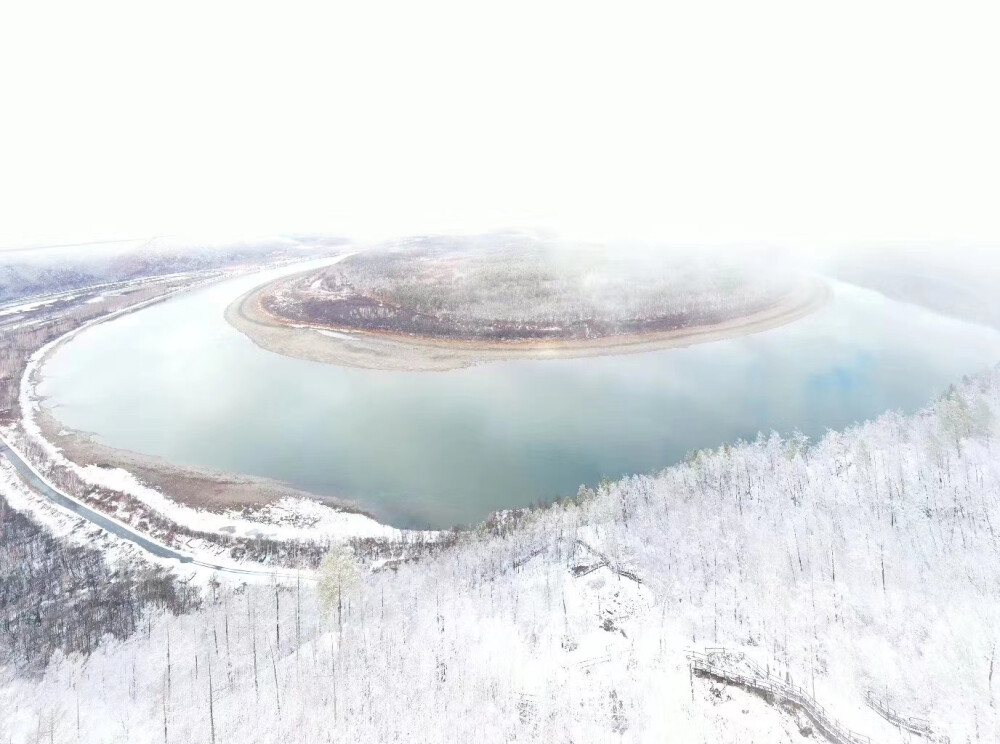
366,314
511,288
57,596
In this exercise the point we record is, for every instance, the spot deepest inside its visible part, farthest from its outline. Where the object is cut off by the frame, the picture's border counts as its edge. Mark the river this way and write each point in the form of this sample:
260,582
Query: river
432,449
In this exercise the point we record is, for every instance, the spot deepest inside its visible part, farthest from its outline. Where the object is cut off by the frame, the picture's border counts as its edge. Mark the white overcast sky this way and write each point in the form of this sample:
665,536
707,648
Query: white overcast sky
792,122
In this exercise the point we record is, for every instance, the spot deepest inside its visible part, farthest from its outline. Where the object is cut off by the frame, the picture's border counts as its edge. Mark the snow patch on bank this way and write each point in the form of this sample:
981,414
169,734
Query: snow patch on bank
324,523
336,334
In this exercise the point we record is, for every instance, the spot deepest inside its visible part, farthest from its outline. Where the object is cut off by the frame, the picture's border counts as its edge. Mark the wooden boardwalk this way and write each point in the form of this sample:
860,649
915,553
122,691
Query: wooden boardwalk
735,668
918,726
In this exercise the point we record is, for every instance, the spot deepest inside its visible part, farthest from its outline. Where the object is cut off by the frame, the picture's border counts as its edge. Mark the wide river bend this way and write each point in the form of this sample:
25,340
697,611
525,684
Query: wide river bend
419,449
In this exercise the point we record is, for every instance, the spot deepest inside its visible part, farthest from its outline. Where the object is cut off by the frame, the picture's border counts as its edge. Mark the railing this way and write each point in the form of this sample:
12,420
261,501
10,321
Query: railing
715,662
918,726
606,561
589,664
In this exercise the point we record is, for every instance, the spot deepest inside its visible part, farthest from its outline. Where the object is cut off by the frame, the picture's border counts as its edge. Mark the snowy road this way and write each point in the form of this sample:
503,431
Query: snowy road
34,479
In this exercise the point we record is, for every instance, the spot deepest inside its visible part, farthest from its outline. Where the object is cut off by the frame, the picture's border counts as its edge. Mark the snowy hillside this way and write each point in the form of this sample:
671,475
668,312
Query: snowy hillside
32,271
868,561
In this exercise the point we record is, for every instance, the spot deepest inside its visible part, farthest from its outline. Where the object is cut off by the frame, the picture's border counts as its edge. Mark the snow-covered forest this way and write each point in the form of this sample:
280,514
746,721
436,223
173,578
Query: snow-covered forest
34,271
867,561
57,596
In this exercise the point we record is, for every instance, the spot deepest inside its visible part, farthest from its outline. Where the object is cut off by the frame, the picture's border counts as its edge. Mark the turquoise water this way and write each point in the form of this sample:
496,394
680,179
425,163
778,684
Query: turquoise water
439,448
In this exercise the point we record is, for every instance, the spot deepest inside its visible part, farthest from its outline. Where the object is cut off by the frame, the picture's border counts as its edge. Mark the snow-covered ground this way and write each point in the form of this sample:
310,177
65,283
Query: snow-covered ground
58,522
25,307
866,561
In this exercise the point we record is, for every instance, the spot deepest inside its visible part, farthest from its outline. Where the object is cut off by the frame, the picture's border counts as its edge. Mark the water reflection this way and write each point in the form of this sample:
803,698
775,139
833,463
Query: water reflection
433,449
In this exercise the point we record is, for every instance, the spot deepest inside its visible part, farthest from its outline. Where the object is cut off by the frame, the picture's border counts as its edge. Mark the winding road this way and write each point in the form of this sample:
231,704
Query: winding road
40,485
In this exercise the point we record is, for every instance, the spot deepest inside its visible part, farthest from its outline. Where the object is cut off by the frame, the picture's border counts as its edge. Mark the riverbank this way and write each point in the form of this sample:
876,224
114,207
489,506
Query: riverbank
183,507
401,352
198,488
174,503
